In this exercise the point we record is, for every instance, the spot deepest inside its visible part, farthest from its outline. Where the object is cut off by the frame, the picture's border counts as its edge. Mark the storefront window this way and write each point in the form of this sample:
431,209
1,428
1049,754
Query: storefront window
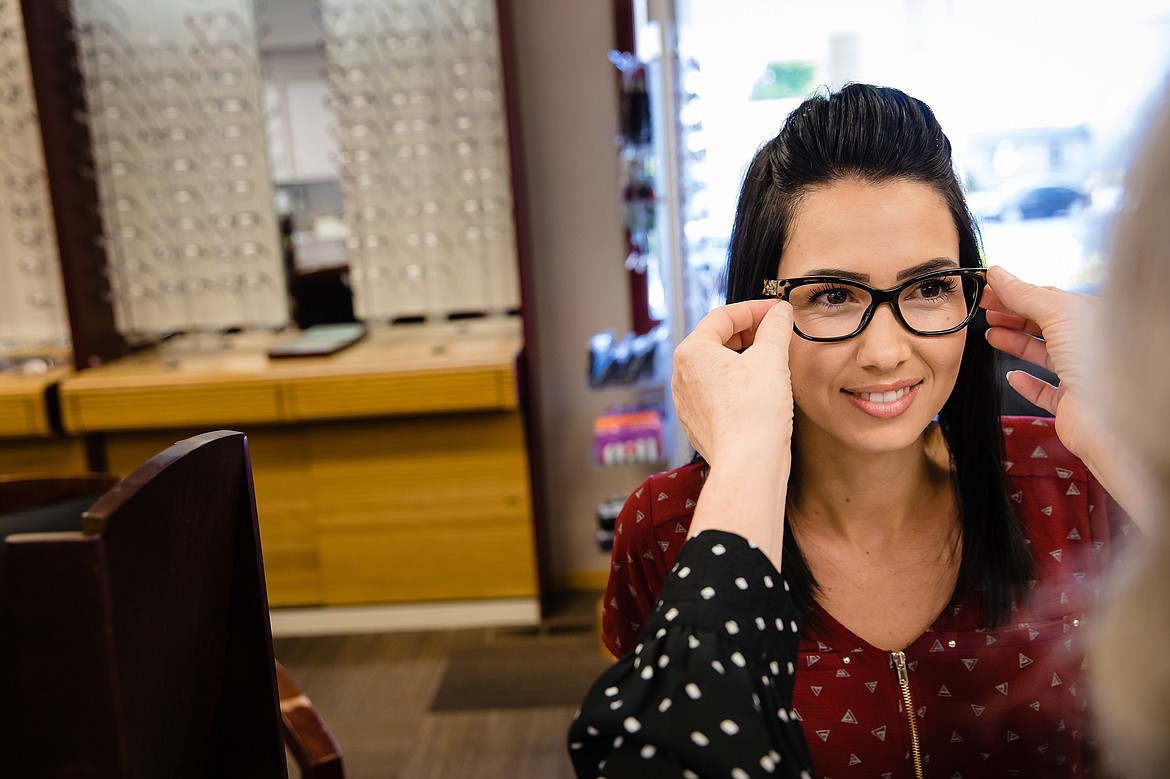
1043,103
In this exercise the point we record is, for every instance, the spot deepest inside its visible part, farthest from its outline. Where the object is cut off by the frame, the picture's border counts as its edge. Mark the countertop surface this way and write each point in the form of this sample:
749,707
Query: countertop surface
395,370
469,344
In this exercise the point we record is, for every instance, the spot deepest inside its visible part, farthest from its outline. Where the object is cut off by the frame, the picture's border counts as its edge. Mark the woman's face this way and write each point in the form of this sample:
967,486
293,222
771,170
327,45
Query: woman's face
880,234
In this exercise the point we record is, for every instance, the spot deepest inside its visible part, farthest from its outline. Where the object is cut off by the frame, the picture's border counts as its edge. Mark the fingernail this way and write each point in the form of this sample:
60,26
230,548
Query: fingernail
1005,272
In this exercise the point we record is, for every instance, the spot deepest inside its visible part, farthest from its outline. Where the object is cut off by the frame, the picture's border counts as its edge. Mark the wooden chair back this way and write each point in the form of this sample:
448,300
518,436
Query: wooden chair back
27,491
140,646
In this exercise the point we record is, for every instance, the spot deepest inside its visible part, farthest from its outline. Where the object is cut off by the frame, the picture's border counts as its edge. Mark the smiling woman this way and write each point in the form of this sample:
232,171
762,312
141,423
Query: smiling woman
875,232
938,561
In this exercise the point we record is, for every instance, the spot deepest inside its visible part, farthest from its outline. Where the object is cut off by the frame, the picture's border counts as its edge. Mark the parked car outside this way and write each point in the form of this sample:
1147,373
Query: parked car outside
1041,202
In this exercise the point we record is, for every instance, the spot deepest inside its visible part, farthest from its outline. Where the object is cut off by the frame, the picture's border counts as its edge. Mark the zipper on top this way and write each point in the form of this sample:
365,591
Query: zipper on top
904,683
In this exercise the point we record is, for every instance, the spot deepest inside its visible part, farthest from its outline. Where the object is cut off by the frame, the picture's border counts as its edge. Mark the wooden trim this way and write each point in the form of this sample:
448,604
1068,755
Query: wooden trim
527,367
72,181
623,26
25,404
454,615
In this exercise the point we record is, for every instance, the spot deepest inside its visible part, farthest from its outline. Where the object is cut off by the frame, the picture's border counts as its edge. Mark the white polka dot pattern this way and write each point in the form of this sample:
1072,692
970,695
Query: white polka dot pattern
702,714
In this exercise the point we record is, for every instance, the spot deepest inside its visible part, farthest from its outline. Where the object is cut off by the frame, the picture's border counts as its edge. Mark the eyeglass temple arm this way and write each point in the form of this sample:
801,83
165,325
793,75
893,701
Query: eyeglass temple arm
775,288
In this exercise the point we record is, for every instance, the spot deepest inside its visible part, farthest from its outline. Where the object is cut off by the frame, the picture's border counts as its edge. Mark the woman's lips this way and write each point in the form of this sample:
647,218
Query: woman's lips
883,404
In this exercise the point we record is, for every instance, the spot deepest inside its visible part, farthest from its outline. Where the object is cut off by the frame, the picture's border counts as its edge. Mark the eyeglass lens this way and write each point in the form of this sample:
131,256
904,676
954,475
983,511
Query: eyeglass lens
837,309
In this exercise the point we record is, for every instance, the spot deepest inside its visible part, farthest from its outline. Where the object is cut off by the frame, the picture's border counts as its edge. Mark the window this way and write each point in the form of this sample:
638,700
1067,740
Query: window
1043,102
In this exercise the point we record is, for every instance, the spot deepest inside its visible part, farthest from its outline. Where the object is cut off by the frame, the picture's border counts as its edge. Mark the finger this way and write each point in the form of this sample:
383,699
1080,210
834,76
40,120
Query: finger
775,331
733,325
1013,322
1022,345
990,301
1036,391
1003,318
1000,314
1011,295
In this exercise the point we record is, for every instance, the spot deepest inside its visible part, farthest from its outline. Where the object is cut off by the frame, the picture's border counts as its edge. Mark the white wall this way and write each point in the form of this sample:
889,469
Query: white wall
567,94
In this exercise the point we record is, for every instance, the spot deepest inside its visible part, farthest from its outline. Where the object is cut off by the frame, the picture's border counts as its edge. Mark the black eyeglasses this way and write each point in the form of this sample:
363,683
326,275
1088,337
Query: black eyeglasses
831,308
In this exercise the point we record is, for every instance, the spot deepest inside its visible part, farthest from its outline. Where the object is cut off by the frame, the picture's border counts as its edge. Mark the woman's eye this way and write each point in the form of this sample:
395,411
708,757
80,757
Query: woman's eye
835,297
936,288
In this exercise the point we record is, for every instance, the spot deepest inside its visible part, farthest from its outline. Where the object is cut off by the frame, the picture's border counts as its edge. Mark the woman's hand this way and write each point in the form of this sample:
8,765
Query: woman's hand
733,396
1049,327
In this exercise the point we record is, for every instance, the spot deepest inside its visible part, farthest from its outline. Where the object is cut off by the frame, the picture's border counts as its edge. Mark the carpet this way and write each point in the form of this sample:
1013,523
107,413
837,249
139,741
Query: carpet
552,674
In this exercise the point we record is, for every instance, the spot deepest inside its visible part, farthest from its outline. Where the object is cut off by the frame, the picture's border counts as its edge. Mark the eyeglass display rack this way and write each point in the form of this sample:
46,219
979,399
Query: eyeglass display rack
32,302
175,110
418,89
631,434
159,174
170,128
661,152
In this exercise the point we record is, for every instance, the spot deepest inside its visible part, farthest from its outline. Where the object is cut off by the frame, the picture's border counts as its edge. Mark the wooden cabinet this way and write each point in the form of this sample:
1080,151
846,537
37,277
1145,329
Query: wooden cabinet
28,443
395,471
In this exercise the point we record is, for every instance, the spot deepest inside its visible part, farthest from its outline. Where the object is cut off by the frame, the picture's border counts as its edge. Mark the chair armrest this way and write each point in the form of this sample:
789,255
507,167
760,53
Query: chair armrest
305,734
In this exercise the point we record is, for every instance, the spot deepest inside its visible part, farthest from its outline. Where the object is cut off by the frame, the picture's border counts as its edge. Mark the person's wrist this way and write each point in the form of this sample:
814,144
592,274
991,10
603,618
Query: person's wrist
745,493
755,446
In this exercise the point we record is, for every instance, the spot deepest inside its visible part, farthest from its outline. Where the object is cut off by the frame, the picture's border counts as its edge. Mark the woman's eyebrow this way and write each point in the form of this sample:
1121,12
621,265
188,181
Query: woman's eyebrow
936,263
839,273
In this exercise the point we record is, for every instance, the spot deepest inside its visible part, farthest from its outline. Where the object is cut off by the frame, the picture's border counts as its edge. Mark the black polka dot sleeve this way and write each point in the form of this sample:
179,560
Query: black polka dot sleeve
708,691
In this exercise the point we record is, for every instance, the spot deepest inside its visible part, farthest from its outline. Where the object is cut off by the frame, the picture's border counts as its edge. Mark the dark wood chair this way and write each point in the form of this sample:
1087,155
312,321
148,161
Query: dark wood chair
139,645
43,502
305,734
20,492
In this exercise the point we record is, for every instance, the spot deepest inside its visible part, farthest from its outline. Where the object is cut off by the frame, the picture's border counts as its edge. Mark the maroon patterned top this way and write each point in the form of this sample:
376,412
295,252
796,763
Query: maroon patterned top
1003,702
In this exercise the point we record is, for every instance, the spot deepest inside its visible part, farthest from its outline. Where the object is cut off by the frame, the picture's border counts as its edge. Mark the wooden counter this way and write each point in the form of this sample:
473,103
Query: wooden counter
23,411
393,371
393,471
28,443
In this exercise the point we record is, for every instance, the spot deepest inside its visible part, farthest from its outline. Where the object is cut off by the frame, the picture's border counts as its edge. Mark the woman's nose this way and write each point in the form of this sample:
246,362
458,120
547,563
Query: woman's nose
885,342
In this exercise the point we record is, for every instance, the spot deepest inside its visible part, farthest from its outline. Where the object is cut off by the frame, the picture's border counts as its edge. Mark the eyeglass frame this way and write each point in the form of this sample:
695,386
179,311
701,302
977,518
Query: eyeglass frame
781,288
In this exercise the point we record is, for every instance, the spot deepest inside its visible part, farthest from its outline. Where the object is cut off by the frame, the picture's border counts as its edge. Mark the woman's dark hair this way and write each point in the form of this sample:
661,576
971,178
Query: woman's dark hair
877,134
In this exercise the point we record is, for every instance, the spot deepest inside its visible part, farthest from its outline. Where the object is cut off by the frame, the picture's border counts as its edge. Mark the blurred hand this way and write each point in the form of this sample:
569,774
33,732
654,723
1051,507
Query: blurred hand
1046,326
